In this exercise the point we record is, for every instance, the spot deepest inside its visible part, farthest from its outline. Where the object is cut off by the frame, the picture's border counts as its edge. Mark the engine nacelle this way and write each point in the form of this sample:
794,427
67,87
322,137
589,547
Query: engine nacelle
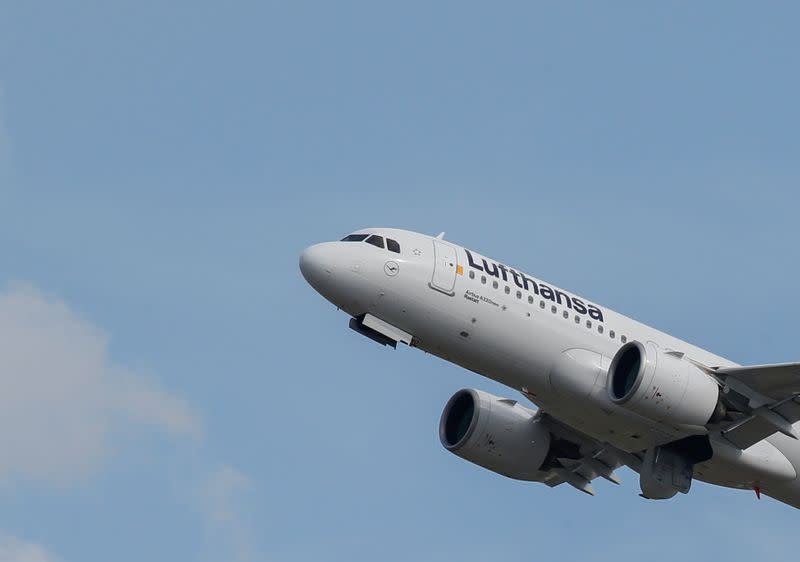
495,433
664,473
661,386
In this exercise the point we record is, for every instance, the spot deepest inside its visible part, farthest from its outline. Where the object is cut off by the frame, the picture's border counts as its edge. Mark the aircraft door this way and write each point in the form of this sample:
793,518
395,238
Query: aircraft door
444,268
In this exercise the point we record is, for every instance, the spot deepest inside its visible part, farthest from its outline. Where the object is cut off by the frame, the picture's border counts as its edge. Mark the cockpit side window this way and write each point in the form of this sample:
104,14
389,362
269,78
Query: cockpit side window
375,240
392,246
354,237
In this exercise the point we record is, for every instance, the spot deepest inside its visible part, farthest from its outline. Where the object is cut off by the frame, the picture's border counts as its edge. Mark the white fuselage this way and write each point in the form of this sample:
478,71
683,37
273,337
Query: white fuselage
551,344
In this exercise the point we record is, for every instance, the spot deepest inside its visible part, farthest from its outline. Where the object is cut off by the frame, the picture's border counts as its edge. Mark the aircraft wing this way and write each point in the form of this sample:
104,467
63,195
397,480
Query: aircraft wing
774,381
769,396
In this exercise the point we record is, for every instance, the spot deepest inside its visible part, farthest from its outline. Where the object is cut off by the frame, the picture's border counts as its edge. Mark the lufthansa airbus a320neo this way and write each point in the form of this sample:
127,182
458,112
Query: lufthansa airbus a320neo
609,390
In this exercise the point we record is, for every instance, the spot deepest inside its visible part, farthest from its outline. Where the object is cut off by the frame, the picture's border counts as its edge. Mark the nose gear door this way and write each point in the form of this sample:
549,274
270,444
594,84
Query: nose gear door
444,267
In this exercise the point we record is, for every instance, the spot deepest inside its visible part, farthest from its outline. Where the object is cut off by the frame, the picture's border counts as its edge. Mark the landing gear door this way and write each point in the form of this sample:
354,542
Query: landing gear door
444,268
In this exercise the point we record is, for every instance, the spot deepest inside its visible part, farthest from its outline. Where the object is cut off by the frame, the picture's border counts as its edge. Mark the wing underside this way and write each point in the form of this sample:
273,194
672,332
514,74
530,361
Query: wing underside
577,459
767,400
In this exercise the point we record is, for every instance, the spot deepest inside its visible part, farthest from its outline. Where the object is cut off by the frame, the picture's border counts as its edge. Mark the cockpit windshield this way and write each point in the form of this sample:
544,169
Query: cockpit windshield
354,237
374,239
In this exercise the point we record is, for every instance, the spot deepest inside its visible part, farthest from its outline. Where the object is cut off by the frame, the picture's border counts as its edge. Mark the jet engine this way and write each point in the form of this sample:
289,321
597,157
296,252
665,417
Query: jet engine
662,386
495,433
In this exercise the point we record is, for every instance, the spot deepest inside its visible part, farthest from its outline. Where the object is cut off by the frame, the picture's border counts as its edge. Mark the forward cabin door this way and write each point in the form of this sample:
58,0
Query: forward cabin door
444,268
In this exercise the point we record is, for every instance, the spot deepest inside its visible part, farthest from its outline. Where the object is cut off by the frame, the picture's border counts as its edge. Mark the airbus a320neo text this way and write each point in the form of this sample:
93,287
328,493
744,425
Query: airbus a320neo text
609,391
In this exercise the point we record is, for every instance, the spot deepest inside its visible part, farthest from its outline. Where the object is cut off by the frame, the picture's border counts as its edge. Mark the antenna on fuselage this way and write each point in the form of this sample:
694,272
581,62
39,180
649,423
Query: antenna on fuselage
440,236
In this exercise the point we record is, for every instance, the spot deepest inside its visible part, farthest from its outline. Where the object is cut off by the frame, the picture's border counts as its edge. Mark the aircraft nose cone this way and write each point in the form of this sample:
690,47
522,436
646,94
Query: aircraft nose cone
315,264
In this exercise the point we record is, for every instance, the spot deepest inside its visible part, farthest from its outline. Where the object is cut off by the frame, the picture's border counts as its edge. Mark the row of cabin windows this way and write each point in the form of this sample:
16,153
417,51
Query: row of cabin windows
554,309
375,240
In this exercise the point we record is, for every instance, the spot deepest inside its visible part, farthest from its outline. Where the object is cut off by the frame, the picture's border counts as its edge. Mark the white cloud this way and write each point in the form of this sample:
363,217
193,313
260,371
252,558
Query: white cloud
60,395
15,550
220,496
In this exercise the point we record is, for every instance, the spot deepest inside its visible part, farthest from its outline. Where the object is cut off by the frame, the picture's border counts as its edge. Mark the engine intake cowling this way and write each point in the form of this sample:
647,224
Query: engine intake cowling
661,386
495,433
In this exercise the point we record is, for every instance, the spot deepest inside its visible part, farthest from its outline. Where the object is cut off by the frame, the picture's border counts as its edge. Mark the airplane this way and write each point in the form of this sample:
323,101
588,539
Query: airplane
609,391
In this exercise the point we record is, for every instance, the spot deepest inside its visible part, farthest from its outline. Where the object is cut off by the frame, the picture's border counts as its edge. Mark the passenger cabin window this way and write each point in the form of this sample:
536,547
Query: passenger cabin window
354,237
392,246
472,275
375,240
623,339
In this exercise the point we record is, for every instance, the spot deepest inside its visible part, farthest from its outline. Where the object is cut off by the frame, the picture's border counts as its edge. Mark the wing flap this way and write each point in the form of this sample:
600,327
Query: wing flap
747,432
764,421
789,409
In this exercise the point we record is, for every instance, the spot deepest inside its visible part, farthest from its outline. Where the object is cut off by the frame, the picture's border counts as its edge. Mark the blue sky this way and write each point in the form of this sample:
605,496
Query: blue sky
171,389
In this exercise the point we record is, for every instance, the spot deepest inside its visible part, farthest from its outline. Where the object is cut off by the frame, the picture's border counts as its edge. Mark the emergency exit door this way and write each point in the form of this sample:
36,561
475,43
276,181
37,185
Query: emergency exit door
444,268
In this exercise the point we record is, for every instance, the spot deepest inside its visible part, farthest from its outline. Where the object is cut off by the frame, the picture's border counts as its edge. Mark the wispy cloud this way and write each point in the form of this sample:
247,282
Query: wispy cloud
61,401
14,550
62,397
221,497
